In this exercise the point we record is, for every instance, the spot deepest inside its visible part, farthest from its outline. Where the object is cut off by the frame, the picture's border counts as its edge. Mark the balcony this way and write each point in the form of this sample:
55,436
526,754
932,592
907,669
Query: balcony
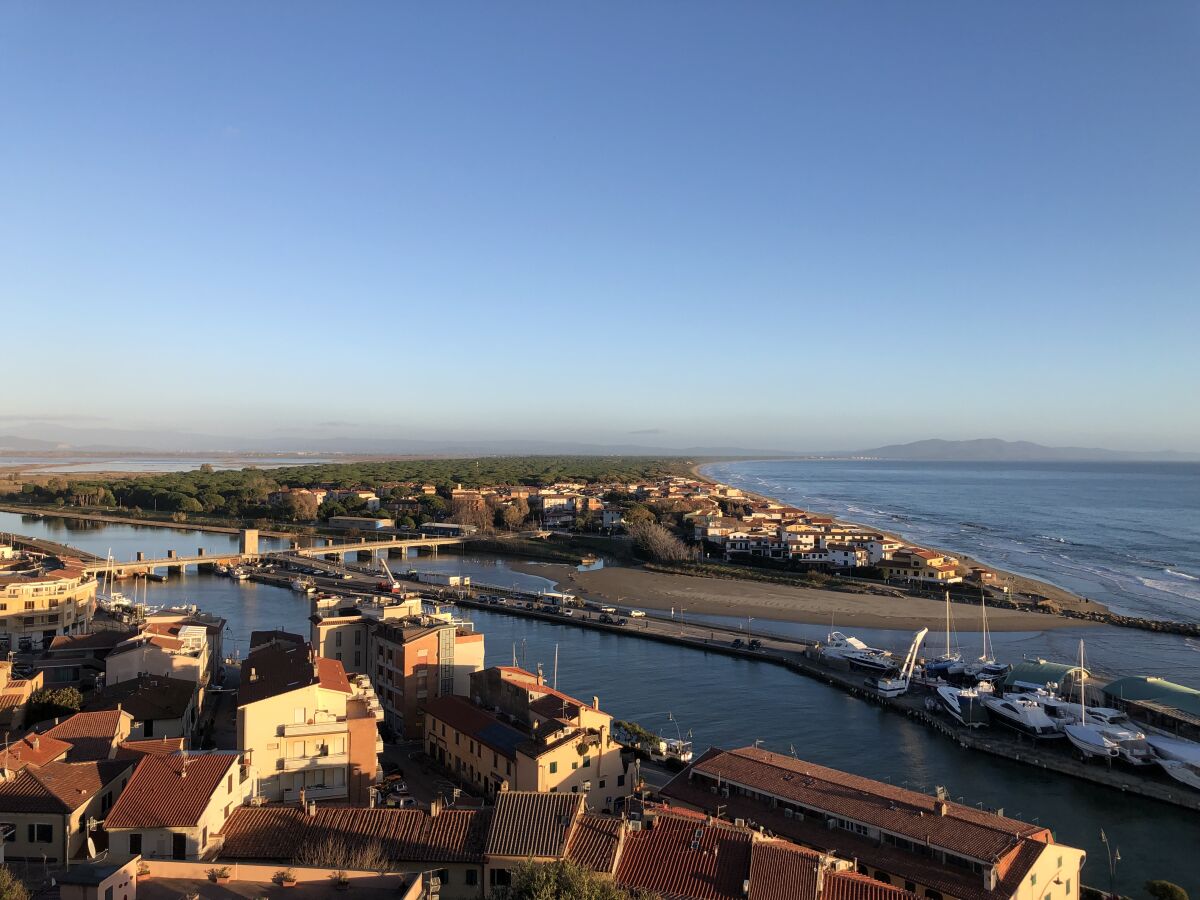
326,726
320,761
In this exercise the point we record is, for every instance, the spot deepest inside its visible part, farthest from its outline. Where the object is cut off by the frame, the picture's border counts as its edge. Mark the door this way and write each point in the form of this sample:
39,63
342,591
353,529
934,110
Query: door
178,846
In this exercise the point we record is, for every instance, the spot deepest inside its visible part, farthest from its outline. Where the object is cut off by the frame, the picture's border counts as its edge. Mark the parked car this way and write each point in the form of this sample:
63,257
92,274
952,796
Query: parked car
606,619
567,612
621,621
756,644
737,643
636,614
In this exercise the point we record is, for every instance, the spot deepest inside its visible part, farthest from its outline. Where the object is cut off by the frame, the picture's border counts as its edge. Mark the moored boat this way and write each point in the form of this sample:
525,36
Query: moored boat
853,651
966,705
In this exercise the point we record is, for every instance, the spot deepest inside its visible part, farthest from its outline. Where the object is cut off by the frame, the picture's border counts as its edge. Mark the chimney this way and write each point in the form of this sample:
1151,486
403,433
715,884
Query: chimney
595,702
941,807
435,807
37,742
311,809
253,674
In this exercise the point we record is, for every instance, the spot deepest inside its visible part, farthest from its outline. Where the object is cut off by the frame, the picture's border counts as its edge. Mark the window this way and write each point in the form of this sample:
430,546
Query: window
601,782
108,893
472,878
203,837
1068,887
1033,879
41,834
337,639
442,875
135,843
587,762
620,781
106,803
553,768
357,642
229,784
574,766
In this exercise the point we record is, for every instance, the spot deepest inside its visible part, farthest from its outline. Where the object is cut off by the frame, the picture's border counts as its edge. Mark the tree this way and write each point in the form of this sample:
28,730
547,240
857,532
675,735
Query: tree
566,880
49,703
206,469
514,514
636,515
300,507
11,887
1165,890
658,544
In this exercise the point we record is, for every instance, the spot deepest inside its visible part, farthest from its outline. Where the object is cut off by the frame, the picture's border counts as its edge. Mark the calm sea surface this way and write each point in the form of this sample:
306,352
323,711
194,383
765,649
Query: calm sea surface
726,702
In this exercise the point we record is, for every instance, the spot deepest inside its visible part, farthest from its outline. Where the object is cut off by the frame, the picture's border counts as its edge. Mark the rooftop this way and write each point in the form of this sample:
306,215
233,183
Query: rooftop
528,824
58,787
684,857
147,697
277,668
91,734
170,791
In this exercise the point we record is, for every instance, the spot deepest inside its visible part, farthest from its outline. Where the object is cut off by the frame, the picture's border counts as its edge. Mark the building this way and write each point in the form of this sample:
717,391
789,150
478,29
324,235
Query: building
517,734
99,881
1157,702
51,784
409,656
42,597
14,695
446,529
77,660
927,845
175,805
361,523
149,653
160,706
917,564
446,843
308,729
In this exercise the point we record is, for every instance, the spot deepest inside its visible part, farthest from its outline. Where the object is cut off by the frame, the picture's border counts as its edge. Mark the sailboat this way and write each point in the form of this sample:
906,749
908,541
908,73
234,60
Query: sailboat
949,663
986,668
1089,740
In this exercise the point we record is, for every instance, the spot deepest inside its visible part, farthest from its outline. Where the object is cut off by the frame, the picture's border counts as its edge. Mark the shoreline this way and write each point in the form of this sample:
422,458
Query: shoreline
628,586
1021,584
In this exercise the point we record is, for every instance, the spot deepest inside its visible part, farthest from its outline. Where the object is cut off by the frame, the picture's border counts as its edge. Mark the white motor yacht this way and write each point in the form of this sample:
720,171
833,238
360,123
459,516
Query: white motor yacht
1179,758
1022,715
841,647
967,706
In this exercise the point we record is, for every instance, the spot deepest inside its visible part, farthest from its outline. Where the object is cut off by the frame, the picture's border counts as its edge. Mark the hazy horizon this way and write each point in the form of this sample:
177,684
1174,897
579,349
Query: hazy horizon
805,227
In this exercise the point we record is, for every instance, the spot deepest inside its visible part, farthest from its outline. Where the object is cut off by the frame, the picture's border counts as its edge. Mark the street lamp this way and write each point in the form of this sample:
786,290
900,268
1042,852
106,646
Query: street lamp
1114,857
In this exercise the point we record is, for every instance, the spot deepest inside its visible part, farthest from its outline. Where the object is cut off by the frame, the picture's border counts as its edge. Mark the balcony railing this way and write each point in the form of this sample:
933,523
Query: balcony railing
302,763
330,726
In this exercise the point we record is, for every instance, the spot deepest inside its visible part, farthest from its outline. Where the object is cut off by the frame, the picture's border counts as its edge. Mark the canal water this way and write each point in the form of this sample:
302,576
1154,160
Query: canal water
724,701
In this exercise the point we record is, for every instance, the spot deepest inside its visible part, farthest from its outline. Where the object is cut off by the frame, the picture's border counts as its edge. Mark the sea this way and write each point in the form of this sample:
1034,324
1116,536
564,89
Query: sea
1125,534
727,702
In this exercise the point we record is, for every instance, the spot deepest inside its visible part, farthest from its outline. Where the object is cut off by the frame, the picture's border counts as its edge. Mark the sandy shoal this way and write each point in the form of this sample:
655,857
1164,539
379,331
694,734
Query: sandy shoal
730,597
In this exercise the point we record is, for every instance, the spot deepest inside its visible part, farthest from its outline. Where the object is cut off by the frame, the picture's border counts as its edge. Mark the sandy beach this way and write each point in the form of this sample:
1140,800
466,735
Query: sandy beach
639,588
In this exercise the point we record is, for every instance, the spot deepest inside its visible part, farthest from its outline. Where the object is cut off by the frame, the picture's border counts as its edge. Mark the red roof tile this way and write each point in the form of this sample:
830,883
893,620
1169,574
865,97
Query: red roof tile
33,750
171,791
852,886
595,842
782,871
679,857
528,824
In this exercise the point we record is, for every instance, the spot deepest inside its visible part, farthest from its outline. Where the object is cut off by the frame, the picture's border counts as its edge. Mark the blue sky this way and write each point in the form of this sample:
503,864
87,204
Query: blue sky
789,225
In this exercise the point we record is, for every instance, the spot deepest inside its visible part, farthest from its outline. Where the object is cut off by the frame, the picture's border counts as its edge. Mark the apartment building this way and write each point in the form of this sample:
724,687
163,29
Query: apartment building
41,597
927,845
410,656
308,729
516,733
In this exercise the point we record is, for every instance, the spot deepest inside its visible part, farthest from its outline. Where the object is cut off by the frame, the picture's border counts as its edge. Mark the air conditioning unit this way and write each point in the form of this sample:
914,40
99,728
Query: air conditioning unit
695,845
740,823
634,824
787,813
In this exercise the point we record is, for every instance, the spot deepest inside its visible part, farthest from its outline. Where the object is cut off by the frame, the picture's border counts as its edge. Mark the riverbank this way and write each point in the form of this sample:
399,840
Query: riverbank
91,516
1024,585
618,585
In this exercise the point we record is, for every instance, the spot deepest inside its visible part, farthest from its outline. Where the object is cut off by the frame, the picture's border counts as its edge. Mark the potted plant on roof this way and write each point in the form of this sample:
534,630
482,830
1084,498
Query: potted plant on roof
341,881
219,874
143,869
285,878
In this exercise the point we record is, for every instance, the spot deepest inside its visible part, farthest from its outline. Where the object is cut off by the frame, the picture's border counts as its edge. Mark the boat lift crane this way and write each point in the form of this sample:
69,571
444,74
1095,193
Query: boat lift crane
392,586
895,685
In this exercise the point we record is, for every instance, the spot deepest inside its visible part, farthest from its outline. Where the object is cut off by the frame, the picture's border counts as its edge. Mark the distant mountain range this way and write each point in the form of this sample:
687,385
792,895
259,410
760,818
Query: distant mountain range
996,450
60,439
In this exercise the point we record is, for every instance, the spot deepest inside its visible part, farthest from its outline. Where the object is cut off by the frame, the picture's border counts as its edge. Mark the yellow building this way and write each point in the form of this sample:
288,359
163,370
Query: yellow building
41,597
517,734
307,728
917,564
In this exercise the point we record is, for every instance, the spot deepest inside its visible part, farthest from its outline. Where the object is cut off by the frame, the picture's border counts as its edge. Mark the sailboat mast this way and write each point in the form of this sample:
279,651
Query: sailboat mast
1082,686
947,624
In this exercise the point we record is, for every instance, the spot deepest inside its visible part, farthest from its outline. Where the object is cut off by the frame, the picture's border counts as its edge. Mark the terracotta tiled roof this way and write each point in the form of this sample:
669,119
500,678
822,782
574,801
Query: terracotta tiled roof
528,824
960,829
149,747
23,752
466,718
782,871
595,841
58,787
277,669
405,835
662,859
91,734
97,640
812,832
171,791
852,886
